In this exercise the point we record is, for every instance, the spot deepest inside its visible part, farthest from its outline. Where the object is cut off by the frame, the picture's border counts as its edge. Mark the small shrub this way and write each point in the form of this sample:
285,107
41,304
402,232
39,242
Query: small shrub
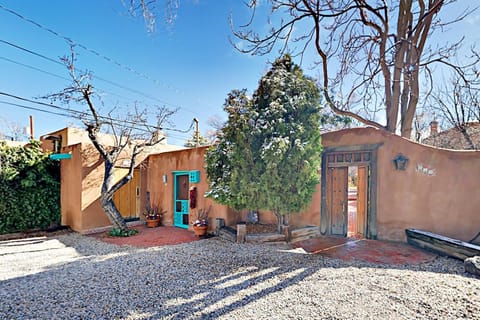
116,232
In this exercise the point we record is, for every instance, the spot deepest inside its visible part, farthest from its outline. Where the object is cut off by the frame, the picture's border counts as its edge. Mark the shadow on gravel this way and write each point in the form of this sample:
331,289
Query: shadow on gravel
203,279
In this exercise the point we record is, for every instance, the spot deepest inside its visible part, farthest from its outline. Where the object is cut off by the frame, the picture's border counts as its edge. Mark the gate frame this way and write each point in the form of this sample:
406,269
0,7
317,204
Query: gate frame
371,223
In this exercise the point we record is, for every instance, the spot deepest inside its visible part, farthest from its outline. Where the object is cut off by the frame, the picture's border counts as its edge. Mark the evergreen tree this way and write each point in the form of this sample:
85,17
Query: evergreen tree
268,156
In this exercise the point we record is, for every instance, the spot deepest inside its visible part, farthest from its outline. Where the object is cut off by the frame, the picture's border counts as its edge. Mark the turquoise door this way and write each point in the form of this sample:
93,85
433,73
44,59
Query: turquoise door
181,187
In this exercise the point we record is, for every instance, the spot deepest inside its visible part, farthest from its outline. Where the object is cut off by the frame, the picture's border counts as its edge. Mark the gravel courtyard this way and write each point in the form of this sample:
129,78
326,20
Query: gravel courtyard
77,277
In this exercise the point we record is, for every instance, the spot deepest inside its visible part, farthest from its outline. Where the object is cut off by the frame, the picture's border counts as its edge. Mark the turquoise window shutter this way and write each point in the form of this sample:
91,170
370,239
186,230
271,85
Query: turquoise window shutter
194,176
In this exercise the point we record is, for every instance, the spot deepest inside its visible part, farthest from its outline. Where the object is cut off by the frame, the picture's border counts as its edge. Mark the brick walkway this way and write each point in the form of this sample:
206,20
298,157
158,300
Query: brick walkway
371,251
347,249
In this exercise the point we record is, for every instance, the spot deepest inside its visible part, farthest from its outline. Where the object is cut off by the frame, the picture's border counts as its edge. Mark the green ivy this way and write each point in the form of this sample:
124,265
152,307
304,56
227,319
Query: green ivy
29,189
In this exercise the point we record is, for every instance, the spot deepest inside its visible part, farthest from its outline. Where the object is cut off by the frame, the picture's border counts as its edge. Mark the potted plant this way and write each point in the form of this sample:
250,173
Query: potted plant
153,214
200,225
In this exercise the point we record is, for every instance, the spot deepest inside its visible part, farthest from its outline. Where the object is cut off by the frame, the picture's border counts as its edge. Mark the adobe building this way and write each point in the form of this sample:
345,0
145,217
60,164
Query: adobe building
399,184
82,177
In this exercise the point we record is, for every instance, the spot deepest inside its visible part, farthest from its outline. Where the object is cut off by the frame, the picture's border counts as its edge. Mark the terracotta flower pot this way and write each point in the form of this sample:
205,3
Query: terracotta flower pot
200,230
153,223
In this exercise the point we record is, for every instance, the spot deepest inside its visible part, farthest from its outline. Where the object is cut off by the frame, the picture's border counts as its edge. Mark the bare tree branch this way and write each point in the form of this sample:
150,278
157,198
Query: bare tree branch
381,49
127,137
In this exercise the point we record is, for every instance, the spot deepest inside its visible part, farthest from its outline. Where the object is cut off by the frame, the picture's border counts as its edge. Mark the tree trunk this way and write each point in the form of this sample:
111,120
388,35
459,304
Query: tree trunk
106,197
279,221
466,135
113,214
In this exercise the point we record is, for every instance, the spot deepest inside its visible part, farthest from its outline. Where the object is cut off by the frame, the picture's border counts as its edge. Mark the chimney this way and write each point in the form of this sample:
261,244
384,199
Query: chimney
433,127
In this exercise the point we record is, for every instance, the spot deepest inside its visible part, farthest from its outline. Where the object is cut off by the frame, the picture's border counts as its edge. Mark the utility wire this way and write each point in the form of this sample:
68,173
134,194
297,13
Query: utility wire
73,43
35,109
59,76
176,136
184,136
34,68
70,116
31,52
83,114
95,77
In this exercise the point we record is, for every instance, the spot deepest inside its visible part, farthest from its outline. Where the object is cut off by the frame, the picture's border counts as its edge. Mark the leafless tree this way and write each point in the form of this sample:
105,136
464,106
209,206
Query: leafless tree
216,124
456,104
130,136
12,130
371,53
147,9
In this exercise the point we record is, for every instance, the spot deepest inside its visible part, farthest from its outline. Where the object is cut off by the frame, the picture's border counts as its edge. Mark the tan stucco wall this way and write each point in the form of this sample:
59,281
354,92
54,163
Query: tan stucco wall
441,197
162,194
71,188
82,176
193,159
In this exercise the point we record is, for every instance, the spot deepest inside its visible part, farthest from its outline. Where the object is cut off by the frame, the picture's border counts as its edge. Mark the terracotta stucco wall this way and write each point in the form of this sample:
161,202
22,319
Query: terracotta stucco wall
71,188
81,178
162,194
93,215
193,159
437,191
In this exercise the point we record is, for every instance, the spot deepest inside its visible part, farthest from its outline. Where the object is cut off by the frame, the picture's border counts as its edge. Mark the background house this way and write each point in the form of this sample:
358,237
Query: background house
465,137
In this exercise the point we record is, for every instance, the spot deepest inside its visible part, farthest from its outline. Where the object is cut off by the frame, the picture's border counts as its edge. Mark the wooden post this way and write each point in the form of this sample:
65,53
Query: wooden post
241,232
197,133
31,128
219,224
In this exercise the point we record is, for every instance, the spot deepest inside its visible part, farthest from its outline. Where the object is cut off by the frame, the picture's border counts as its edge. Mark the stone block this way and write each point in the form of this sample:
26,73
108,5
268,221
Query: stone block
472,265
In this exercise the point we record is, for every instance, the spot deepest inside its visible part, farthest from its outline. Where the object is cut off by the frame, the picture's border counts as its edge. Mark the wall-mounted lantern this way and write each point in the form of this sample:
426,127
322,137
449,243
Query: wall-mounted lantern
400,162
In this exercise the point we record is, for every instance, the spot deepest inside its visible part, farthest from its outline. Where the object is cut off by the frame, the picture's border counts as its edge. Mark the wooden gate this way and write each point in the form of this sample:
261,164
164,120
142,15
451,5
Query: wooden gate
334,207
127,198
362,200
337,200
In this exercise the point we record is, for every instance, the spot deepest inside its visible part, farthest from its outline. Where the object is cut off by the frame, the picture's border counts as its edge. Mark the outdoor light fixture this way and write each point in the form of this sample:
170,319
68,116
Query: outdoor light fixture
400,162
165,179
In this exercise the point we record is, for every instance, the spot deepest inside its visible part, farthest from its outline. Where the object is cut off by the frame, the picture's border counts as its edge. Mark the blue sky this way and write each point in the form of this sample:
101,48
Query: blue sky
191,65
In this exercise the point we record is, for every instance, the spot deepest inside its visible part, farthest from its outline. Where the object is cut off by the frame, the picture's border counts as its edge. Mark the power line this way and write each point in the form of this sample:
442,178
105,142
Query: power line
35,109
70,116
94,76
34,68
61,77
73,43
31,52
54,75
127,123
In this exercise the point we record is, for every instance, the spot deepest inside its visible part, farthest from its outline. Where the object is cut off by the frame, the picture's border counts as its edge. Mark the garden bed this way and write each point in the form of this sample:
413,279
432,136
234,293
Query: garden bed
253,228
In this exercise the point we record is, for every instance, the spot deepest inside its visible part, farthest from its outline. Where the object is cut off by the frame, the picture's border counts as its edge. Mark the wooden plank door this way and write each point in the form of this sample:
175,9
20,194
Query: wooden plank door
181,208
337,200
126,198
362,200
